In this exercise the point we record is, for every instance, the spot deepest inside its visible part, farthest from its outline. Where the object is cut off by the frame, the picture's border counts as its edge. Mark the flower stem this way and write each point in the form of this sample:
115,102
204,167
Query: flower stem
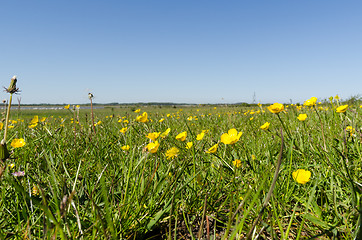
284,126
7,118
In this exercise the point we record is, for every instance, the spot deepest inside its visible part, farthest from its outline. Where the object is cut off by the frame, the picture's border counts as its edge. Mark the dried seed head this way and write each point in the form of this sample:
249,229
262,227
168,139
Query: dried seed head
90,95
12,87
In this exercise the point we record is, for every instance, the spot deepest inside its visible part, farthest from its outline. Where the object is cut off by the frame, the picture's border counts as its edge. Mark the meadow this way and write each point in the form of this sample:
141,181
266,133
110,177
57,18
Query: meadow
184,172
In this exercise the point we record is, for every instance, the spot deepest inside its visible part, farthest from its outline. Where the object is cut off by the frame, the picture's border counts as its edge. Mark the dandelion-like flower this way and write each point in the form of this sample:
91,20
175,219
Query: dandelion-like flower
137,110
67,106
172,152
189,145
231,137
301,176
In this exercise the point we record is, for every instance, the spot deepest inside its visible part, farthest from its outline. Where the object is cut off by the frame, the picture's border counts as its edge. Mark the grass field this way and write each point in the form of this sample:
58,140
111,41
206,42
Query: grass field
217,173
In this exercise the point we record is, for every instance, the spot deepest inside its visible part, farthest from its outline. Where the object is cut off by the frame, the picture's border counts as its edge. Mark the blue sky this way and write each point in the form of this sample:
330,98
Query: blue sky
181,51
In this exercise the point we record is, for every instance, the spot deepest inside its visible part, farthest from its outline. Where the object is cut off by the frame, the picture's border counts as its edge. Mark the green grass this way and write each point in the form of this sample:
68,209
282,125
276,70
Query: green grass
88,187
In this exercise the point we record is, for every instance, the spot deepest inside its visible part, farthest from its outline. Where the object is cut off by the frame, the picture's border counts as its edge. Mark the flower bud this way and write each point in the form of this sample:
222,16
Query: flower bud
12,87
4,153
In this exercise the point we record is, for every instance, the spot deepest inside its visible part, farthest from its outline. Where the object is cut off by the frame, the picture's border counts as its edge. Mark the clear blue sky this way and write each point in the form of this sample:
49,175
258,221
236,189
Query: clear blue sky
193,51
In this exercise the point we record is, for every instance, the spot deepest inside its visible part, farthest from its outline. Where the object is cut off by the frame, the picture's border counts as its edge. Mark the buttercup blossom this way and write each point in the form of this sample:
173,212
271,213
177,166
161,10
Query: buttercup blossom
181,136
310,102
137,110
231,137
142,118
152,147
165,133
125,147
350,130
342,109
200,136
301,176
1,125
276,108
189,145
123,130
67,106
34,121
153,136
265,126
172,152
213,149
302,117
18,142
237,163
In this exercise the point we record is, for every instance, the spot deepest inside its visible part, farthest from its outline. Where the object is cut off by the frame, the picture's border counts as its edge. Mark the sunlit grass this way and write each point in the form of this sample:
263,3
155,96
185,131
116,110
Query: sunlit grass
217,173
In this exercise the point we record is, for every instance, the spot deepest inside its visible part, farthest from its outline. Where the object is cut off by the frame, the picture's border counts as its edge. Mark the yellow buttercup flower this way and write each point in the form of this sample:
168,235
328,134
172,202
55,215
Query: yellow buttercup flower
142,118
265,126
35,191
342,109
213,149
161,120
125,147
152,147
1,125
302,117
301,176
18,142
237,163
231,137
35,119
350,130
336,97
276,108
311,102
200,136
181,136
172,152
123,130
165,133
137,110
67,106
153,136
189,145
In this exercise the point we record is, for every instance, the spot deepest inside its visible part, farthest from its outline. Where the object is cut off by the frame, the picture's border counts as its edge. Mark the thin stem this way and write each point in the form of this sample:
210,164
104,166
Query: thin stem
320,120
94,128
7,118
